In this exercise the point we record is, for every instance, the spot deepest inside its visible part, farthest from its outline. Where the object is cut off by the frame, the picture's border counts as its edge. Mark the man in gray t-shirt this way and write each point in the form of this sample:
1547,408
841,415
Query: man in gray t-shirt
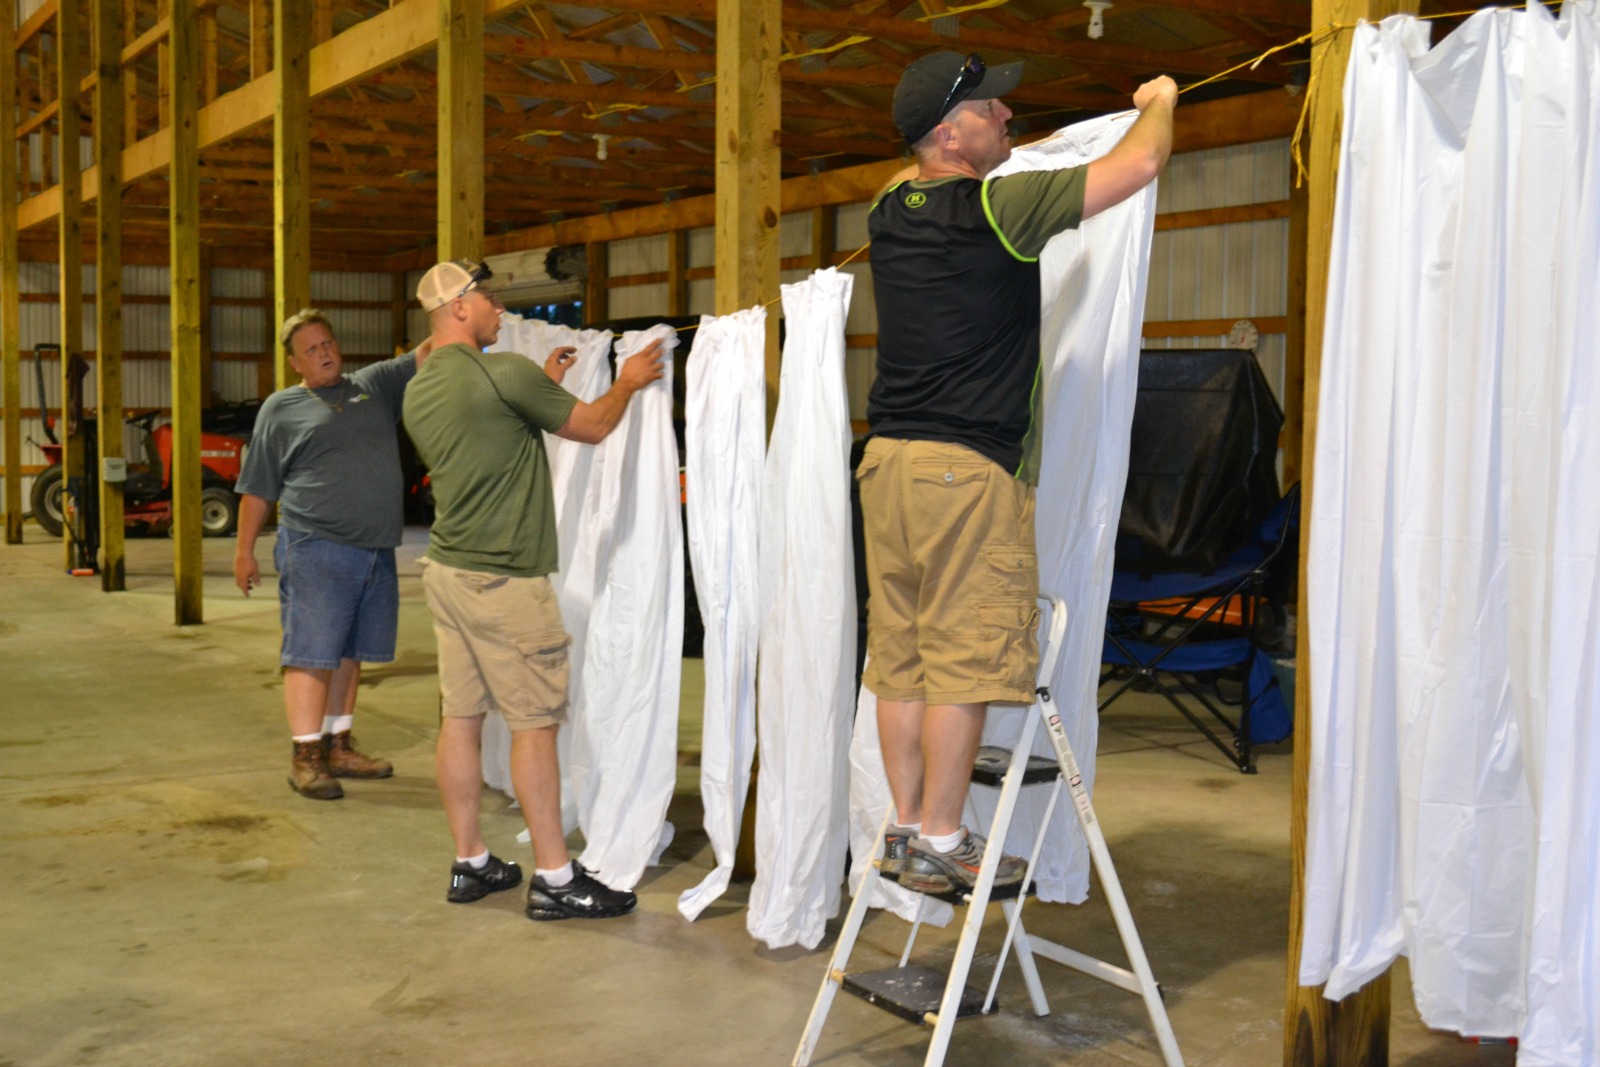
325,451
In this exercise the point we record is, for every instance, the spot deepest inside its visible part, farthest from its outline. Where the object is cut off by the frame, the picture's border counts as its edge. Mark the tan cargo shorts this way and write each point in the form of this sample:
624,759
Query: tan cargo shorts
952,575
501,646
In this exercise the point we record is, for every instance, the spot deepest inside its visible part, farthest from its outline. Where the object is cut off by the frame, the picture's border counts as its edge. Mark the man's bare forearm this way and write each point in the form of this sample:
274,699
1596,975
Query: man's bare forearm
592,423
252,517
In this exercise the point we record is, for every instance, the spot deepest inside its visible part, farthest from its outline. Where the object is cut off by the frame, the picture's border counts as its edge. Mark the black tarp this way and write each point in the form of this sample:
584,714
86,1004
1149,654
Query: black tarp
1202,463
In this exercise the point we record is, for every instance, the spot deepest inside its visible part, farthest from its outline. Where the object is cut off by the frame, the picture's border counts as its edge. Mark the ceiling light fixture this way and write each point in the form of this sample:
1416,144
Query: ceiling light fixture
600,141
1097,17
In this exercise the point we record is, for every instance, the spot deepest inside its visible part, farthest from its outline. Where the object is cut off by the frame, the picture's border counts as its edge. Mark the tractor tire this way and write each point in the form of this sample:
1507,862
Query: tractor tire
49,500
219,512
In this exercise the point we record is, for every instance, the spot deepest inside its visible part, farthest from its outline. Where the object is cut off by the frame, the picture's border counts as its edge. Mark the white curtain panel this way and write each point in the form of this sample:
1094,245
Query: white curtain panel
571,468
1092,282
806,677
1455,779
725,432
626,724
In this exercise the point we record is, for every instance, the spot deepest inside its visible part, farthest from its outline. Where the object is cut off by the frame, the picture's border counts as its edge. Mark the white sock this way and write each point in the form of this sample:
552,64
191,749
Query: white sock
478,862
557,878
946,843
301,739
912,829
337,724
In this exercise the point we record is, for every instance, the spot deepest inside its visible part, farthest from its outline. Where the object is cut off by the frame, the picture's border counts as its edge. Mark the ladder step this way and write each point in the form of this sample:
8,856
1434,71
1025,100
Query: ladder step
962,897
913,993
990,767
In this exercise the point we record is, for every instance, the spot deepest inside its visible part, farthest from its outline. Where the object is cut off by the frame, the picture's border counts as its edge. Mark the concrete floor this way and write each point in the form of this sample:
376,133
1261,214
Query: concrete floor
170,901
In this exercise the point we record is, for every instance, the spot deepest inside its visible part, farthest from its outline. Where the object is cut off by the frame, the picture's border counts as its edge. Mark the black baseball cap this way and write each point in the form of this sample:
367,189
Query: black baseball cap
934,84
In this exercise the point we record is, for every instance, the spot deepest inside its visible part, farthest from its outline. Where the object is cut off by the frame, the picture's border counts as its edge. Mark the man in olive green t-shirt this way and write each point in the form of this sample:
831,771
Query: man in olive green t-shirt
476,419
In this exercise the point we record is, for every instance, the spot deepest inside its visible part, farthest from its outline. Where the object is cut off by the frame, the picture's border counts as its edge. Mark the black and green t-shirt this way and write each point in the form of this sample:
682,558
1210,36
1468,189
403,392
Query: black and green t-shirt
955,273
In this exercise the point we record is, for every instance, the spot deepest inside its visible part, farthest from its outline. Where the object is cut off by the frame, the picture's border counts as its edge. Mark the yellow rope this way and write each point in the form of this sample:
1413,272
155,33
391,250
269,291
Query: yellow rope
983,5
825,49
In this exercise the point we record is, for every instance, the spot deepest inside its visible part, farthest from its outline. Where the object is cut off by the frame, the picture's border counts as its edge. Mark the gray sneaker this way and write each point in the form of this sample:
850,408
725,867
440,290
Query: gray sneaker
895,840
927,871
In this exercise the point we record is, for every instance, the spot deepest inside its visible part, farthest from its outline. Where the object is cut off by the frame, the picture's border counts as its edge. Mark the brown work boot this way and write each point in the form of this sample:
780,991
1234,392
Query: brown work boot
345,762
308,774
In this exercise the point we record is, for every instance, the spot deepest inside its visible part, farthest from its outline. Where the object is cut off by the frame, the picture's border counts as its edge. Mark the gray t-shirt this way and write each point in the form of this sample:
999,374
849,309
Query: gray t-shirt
330,459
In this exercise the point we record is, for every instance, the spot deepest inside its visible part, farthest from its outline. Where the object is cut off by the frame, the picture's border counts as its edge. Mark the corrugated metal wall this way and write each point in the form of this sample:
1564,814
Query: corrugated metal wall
1235,271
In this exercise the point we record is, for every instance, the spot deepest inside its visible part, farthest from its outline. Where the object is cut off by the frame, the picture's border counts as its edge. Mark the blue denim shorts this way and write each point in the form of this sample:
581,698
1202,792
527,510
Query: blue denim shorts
336,602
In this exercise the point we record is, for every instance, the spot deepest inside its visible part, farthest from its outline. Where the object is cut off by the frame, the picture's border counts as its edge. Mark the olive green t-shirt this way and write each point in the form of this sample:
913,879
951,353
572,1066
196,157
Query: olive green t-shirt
475,418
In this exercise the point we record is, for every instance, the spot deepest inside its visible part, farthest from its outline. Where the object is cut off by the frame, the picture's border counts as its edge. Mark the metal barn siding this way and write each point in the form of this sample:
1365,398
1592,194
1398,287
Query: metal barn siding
361,331
636,255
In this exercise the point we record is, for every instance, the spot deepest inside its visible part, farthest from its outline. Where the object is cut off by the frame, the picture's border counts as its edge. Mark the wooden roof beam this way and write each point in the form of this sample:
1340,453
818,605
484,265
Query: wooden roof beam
405,30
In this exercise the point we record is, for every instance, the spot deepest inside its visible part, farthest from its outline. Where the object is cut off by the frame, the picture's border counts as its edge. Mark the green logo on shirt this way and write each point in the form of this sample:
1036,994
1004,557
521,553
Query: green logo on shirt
916,200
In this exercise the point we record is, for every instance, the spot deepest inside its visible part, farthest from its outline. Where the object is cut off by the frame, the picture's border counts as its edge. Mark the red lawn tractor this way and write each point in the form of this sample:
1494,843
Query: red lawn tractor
147,493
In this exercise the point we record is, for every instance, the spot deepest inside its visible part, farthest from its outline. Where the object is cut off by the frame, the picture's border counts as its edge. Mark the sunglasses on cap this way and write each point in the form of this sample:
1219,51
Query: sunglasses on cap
480,273
967,79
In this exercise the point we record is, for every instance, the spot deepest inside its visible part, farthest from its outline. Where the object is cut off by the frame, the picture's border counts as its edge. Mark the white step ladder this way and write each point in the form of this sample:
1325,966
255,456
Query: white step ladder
923,995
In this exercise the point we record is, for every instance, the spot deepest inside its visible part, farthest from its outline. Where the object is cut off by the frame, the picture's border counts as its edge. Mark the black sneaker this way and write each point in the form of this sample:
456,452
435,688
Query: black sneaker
582,898
469,883
895,840
927,871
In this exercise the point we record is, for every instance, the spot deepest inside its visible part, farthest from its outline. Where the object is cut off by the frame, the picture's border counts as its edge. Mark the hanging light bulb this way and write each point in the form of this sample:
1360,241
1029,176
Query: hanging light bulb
1097,17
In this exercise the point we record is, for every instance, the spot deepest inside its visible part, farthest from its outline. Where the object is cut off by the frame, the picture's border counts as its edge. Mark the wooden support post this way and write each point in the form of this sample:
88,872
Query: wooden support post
460,129
108,101
207,365
596,285
678,273
748,167
184,184
164,10
260,39
291,172
1294,355
10,284
69,229
1317,1032
824,236
748,205
208,55
130,85
321,21
399,300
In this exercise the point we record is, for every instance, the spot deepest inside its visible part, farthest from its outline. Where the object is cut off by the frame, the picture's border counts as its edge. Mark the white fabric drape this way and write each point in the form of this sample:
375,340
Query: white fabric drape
1454,532
571,469
625,725
808,627
1092,281
725,430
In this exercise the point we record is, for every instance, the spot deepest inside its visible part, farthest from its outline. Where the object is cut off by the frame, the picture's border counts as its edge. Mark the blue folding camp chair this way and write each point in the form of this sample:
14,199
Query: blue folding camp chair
1165,632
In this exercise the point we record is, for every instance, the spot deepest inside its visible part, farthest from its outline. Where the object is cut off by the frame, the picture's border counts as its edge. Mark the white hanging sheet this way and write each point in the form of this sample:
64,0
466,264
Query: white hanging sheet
625,726
808,626
1092,282
571,472
725,430
1454,532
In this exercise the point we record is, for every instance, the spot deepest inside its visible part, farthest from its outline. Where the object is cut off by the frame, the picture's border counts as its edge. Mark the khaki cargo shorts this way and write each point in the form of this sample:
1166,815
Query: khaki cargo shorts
952,575
501,646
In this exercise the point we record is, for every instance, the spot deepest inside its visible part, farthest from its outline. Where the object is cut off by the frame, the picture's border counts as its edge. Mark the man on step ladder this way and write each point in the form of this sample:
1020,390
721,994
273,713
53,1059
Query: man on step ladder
947,479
